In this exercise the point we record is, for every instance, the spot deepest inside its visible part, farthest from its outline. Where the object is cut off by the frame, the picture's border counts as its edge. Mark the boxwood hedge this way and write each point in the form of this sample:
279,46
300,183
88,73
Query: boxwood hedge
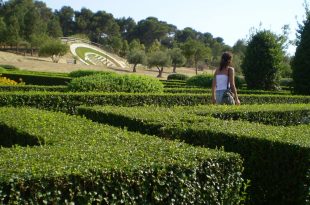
277,158
68,101
71,160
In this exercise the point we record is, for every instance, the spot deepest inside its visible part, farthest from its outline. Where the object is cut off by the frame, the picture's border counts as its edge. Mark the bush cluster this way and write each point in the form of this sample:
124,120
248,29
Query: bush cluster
81,73
31,79
6,81
177,76
203,80
112,82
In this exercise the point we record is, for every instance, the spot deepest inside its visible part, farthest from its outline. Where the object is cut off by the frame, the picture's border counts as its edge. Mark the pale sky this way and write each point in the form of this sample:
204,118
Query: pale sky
229,19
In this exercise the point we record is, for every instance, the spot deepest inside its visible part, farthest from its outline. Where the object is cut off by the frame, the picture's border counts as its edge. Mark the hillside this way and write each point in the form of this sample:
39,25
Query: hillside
35,63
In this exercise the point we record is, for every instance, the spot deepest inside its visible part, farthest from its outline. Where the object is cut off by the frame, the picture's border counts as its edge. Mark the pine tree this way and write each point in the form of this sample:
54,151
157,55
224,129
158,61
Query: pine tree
301,61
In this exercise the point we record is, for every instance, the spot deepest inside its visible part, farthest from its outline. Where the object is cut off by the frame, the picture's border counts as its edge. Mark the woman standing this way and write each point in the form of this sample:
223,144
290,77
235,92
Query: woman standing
224,78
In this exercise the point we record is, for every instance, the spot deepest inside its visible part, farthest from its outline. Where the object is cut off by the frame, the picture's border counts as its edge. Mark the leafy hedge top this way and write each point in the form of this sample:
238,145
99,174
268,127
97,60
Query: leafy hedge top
81,73
112,82
193,117
93,147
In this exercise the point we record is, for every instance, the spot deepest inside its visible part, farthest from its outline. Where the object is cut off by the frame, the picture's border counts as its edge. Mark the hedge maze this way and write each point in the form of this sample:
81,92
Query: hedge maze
61,147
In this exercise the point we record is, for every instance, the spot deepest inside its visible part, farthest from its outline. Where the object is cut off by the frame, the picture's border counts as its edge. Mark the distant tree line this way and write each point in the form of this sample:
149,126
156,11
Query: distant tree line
28,23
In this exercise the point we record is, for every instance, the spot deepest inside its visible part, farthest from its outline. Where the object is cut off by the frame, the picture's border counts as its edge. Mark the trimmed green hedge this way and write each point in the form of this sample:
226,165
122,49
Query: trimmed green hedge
37,79
81,162
277,159
53,88
82,73
277,115
177,76
208,90
112,82
68,101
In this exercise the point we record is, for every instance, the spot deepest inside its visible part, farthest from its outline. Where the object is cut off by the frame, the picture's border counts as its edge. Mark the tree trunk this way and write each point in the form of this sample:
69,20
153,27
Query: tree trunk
160,72
174,68
134,68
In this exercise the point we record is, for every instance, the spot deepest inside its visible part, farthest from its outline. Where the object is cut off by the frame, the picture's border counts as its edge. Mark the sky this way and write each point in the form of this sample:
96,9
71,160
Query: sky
228,19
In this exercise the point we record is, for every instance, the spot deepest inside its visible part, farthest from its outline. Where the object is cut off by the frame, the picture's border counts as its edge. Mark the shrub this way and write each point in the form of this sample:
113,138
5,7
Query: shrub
37,79
203,80
9,67
239,81
177,76
81,73
286,82
263,61
112,82
7,81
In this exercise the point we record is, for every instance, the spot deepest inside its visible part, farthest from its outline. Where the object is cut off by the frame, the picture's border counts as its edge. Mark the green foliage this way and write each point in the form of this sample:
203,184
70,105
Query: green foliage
112,82
37,79
54,49
177,76
50,88
136,57
177,58
276,157
300,63
263,60
159,59
202,80
9,67
81,162
68,102
81,73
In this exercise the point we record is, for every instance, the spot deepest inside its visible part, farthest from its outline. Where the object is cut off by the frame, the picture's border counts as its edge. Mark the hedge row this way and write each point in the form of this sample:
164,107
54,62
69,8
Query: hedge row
71,160
38,79
51,88
68,101
270,114
187,90
208,90
277,159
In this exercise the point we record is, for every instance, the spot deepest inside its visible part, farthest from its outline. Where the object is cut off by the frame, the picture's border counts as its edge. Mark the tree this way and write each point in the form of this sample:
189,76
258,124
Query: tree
127,26
159,59
136,57
54,49
177,58
150,29
187,33
103,26
263,60
301,63
202,53
83,20
2,31
125,48
135,44
53,28
195,51
13,29
66,15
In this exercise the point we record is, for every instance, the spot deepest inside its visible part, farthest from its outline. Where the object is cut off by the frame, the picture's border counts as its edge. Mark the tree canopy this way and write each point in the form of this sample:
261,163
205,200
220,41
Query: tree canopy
263,60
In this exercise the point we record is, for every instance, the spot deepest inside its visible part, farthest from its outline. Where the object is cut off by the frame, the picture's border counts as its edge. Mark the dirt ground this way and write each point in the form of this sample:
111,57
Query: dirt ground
64,65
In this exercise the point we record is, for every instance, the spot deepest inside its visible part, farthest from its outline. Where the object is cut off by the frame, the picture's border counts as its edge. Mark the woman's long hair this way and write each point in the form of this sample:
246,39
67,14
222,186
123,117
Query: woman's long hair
226,60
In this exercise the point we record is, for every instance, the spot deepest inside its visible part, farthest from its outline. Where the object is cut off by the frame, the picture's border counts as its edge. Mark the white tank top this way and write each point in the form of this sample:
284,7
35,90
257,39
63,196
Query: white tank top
221,82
